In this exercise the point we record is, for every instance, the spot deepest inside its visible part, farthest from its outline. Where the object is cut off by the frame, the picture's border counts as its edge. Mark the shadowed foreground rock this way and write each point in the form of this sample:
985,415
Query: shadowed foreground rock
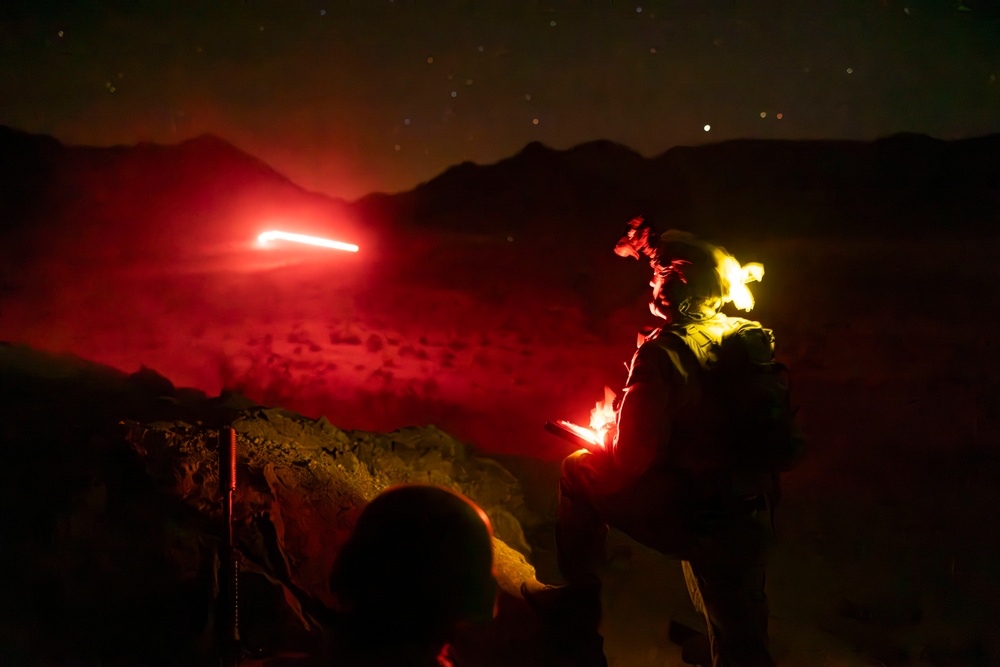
112,515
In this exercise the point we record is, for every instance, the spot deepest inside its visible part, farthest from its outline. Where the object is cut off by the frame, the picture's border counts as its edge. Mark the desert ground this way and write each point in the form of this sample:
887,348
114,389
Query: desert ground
886,553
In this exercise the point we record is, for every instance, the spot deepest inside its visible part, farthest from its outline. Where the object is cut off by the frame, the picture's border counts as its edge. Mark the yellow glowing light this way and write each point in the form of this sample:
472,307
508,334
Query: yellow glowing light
778,116
307,240
736,278
707,128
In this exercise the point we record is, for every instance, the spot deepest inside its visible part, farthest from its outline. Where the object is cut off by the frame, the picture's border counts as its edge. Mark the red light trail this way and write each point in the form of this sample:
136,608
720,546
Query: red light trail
307,240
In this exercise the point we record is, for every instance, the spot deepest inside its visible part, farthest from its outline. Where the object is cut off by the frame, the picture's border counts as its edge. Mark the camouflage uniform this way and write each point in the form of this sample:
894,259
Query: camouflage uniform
673,480
702,430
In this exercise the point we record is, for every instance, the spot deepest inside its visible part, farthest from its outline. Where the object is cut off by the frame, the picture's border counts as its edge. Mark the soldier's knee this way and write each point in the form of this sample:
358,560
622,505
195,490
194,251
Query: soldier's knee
576,469
574,462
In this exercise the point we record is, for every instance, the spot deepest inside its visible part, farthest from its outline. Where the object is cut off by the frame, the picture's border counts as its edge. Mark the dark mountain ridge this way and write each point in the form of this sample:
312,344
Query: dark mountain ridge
149,194
902,183
153,199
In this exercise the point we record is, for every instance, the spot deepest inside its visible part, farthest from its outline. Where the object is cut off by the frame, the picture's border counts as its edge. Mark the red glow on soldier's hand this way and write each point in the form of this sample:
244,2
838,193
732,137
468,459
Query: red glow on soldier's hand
273,235
602,425
603,418
585,437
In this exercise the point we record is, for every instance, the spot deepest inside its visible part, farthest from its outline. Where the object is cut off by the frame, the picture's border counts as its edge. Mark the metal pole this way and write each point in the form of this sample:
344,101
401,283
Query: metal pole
227,628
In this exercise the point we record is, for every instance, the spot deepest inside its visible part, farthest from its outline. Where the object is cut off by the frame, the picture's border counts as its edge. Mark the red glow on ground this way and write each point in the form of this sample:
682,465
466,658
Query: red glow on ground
273,235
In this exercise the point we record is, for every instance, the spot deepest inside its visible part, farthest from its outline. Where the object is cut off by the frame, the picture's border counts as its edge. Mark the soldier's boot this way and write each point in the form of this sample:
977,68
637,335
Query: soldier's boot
571,616
696,647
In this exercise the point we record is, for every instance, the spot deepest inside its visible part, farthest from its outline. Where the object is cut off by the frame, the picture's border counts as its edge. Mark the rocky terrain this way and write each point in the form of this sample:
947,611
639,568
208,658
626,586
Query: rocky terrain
484,303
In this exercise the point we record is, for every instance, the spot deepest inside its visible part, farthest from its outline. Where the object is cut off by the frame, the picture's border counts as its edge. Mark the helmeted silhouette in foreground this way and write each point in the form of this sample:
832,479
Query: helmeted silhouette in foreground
418,567
691,467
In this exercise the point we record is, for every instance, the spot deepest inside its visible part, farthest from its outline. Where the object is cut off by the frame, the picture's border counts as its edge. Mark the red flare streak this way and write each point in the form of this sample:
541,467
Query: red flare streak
307,240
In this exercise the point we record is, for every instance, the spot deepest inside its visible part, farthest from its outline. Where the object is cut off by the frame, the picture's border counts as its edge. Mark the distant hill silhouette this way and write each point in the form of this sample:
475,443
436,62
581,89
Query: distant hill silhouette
902,183
148,199
152,197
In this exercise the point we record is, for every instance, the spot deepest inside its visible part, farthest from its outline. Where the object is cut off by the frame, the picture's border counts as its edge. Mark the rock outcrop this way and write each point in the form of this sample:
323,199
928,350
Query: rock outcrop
112,515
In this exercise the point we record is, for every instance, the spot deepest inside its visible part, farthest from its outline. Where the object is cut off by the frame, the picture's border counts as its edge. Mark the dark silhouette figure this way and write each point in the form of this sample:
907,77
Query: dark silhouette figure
418,567
690,467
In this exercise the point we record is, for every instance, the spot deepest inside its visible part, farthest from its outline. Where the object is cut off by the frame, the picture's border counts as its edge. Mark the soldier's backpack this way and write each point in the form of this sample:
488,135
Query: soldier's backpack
749,394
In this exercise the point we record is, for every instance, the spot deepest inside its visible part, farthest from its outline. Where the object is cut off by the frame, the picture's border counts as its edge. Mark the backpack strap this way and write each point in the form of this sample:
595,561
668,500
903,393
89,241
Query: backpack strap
708,340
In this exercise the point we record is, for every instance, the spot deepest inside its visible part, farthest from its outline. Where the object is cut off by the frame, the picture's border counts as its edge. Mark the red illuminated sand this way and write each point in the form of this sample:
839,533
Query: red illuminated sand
897,415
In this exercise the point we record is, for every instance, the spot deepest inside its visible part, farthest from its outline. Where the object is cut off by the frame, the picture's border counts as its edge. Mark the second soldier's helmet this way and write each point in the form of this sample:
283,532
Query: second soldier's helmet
420,561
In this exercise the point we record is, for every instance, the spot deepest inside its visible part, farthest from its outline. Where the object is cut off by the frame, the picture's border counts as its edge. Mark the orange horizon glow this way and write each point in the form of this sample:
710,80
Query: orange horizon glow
306,240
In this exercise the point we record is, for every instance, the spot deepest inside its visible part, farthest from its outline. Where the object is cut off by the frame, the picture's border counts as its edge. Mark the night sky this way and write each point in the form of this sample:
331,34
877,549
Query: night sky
349,97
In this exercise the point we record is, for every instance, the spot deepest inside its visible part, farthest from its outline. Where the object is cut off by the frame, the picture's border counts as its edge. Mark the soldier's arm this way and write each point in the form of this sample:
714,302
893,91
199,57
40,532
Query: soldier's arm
644,419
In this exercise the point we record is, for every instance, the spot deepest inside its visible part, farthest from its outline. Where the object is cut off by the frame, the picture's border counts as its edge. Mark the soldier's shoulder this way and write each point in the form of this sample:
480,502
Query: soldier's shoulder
755,341
662,341
665,356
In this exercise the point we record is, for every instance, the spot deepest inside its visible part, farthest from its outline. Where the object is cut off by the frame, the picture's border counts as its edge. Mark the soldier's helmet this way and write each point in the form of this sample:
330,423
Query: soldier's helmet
690,277
420,562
